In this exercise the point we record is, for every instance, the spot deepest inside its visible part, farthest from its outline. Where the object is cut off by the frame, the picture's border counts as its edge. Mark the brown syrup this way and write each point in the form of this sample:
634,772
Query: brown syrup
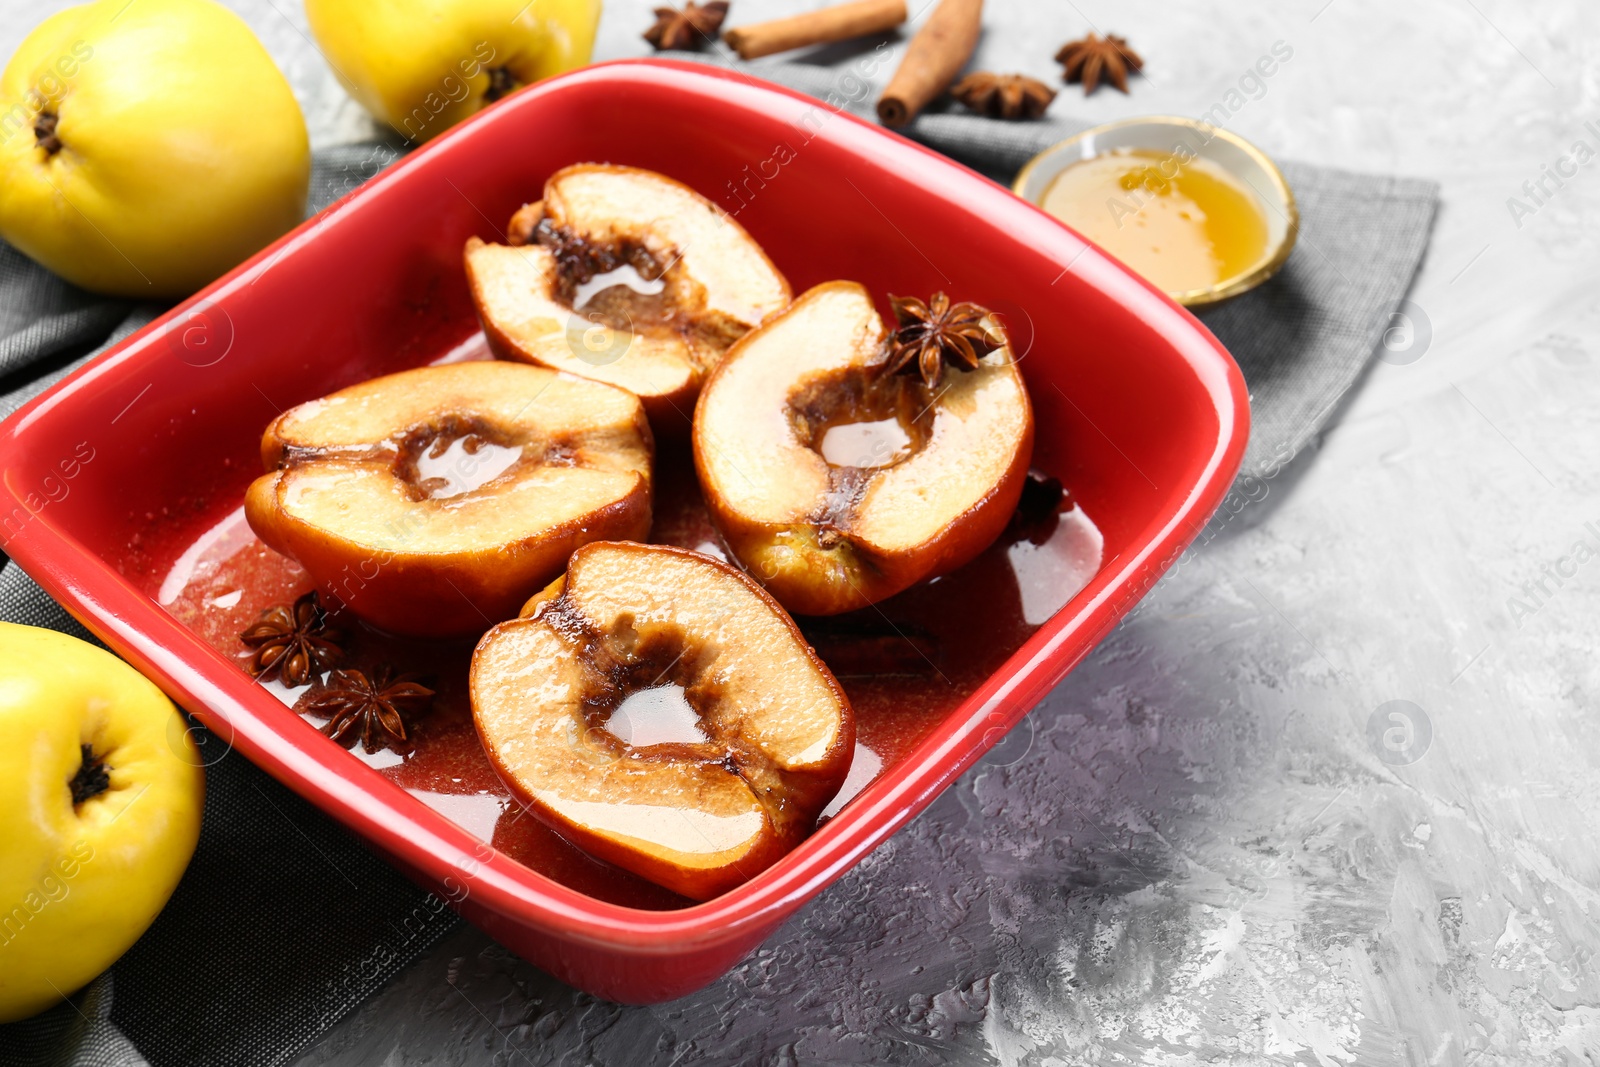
905,663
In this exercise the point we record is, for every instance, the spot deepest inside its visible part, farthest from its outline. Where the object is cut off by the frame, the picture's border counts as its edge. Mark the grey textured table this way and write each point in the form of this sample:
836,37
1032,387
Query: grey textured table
1216,841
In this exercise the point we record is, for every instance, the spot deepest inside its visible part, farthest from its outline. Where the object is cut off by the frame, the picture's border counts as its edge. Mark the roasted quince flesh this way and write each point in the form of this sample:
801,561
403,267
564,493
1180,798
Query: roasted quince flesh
842,467
433,502
698,814
627,277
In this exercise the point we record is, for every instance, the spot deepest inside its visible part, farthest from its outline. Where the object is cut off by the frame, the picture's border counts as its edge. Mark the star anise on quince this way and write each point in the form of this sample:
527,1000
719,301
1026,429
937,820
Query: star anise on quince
1086,60
935,333
293,643
688,28
372,706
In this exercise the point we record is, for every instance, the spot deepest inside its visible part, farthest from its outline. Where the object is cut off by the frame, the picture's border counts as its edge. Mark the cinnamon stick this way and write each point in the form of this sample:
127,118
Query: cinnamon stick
838,23
932,60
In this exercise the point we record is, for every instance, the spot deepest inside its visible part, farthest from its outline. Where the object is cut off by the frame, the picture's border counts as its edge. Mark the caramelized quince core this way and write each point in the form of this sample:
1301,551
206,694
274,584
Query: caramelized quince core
434,501
624,276
697,816
924,480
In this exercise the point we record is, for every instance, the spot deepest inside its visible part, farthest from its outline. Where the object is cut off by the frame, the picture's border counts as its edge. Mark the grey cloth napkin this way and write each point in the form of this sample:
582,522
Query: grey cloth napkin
250,961
85,1037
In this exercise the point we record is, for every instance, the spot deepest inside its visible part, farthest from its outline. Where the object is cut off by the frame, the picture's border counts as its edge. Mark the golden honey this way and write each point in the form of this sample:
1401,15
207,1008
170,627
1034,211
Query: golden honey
1183,224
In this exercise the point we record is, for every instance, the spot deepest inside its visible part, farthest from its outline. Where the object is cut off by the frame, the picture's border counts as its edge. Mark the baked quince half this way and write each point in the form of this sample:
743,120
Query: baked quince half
630,632
844,462
627,277
433,502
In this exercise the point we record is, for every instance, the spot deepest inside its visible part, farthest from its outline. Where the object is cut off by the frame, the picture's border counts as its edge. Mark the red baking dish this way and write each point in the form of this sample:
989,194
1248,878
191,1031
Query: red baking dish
1139,410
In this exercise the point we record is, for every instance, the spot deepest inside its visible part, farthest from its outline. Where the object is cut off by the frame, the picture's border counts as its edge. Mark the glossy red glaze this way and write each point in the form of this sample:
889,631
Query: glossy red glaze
1140,411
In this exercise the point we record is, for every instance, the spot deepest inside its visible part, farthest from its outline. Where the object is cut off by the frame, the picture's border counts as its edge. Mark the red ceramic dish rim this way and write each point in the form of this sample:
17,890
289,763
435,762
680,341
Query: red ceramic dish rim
202,679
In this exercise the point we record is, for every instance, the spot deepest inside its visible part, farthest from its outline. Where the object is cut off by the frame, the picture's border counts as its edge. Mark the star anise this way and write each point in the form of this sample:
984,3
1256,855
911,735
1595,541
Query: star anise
1004,96
293,643
688,28
938,332
372,706
1088,59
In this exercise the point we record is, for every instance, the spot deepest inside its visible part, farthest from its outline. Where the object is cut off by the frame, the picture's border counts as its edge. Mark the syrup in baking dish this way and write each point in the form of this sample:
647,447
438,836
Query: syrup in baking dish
905,663
451,466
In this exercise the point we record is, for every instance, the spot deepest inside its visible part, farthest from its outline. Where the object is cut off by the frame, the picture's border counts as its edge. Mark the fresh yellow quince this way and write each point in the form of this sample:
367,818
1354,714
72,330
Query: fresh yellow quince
424,65
146,148
100,795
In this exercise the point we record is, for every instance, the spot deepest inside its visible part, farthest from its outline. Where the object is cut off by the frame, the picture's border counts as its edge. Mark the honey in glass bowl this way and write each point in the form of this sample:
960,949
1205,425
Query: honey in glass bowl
1184,226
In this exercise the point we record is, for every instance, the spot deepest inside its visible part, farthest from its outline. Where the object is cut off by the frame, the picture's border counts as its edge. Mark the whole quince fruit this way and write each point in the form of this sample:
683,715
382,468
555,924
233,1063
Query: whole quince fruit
424,65
100,795
146,148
